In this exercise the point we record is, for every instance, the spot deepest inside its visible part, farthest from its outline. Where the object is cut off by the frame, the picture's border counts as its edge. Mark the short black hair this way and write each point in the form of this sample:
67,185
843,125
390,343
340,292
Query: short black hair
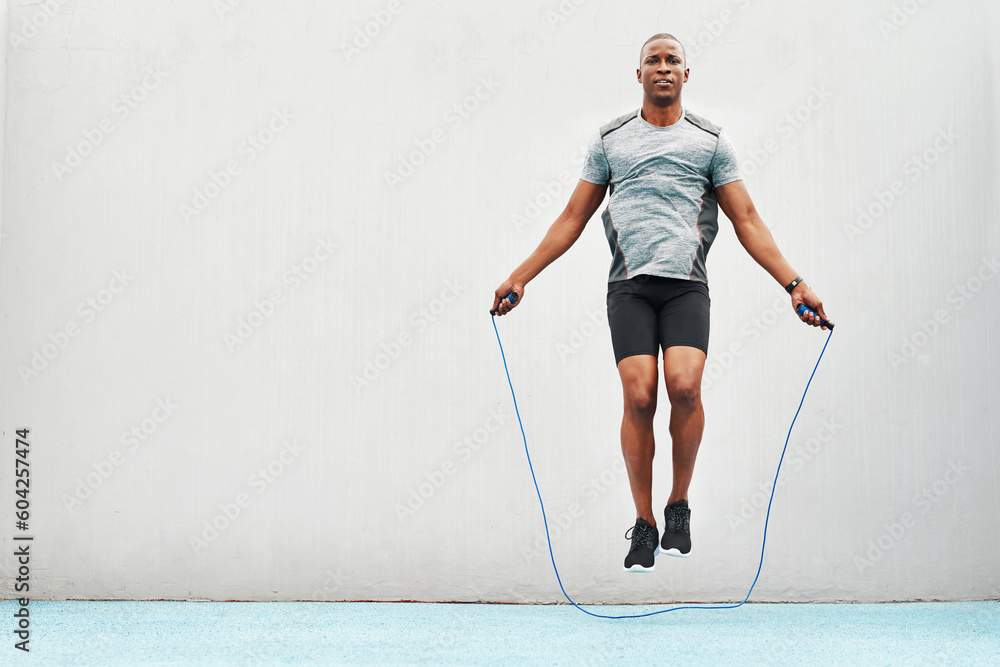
663,35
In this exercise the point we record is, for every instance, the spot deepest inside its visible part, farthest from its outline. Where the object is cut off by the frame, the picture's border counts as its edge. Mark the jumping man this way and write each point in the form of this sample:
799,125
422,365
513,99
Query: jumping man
669,171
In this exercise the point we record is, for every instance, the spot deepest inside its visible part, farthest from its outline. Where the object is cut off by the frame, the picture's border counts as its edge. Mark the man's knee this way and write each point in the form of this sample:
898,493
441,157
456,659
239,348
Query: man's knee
685,395
640,400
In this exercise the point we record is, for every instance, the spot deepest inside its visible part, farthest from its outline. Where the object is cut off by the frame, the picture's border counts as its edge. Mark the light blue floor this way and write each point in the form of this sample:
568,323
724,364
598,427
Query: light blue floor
266,633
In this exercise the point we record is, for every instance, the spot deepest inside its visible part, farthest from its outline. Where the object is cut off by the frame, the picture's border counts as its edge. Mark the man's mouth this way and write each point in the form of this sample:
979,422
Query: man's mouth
662,82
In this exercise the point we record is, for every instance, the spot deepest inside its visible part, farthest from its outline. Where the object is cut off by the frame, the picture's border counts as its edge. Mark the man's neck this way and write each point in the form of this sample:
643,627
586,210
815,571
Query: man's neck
661,116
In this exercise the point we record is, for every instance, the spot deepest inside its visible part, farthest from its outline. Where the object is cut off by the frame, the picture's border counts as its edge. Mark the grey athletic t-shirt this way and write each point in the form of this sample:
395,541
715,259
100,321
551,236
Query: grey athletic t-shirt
662,215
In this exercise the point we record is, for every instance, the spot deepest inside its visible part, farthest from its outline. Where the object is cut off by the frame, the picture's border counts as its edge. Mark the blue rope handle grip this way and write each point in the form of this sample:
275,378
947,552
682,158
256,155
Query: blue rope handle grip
802,309
512,297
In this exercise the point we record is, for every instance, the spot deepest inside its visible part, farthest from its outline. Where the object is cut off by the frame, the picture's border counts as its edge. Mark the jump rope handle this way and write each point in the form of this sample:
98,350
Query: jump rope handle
802,309
512,297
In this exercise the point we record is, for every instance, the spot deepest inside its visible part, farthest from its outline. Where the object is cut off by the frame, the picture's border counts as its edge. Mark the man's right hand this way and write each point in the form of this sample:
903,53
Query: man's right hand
501,304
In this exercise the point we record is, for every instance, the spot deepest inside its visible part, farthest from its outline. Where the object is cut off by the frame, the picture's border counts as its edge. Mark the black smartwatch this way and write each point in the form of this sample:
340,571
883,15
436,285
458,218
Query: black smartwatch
790,286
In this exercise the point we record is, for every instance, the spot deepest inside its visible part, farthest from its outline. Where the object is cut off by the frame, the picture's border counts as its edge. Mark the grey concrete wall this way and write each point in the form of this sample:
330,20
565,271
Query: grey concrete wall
249,248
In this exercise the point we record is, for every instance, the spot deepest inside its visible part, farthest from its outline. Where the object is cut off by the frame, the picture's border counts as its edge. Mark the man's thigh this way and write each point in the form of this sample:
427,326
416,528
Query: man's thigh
633,319
638,373
684,316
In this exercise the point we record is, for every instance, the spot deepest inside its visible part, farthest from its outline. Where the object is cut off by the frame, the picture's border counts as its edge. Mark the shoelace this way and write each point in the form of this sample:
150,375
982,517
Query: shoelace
680,519
640,535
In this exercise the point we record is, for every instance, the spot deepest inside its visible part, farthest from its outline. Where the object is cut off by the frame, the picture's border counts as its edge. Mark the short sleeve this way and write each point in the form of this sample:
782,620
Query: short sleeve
595,165
725,168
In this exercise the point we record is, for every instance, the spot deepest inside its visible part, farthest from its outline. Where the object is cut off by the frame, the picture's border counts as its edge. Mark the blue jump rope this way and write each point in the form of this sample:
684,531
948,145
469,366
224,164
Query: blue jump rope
800,310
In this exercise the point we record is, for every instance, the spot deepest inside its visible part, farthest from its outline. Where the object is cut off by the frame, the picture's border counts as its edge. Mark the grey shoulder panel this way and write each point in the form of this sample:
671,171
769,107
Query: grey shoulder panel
617,122
702,123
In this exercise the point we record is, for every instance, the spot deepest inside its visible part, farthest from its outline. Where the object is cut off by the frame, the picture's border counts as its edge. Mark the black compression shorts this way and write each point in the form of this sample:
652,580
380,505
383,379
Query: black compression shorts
647,313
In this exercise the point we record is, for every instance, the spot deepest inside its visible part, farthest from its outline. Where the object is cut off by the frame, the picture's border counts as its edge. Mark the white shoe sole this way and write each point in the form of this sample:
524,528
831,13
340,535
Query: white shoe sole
640,568
675,553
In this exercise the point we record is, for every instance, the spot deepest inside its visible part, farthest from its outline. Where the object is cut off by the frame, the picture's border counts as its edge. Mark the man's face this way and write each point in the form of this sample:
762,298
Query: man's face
662,71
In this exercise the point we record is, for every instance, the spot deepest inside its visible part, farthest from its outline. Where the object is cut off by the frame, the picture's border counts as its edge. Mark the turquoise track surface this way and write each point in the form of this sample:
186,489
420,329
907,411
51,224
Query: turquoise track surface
317,633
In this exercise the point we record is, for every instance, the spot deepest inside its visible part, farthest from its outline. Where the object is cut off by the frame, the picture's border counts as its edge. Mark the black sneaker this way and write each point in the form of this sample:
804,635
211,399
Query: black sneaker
645,545
677,530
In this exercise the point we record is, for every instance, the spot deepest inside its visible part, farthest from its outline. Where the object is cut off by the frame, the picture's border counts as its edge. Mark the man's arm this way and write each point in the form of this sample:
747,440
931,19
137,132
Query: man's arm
756,238
561,235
